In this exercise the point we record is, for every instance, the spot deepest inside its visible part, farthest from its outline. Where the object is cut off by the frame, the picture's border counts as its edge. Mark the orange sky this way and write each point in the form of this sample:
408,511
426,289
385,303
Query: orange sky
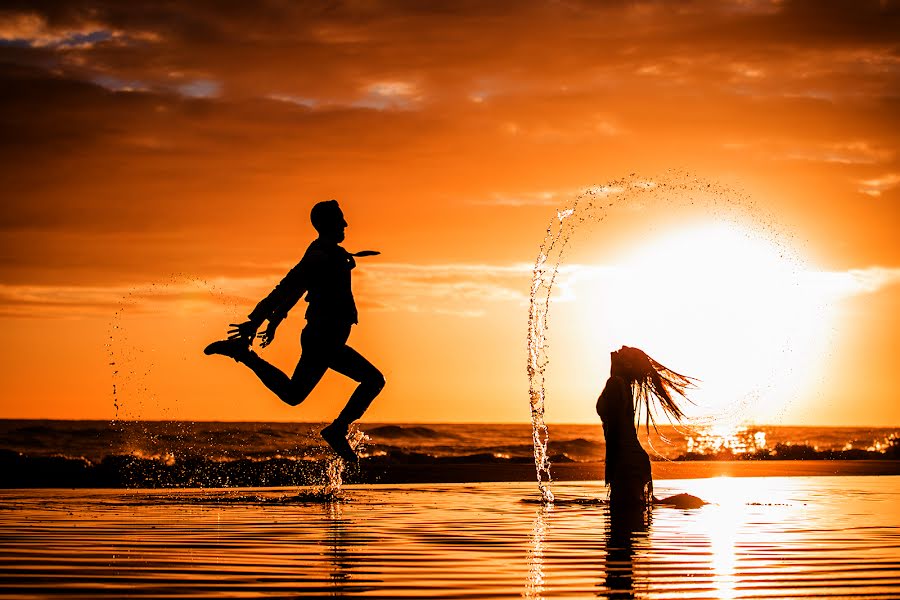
159,162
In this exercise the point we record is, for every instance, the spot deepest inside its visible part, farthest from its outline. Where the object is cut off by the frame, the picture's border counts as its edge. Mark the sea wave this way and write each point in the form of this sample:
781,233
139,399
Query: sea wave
169,470
409,432
207,454
787,451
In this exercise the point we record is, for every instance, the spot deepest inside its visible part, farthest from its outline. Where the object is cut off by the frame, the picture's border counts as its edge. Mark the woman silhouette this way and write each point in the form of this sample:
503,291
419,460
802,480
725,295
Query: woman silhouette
635,380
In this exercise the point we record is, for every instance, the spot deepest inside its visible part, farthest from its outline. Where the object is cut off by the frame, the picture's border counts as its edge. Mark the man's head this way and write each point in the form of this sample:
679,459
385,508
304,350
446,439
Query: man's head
328,219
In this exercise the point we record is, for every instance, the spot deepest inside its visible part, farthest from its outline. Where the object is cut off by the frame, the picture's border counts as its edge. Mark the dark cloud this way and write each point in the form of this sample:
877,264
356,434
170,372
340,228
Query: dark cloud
333,50
137,136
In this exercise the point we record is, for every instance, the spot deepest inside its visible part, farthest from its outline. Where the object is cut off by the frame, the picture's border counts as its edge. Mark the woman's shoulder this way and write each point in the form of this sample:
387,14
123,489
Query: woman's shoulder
616,380
614,384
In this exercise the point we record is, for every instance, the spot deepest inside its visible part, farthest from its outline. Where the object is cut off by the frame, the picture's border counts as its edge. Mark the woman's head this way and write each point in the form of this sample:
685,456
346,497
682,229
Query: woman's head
650,379
629,363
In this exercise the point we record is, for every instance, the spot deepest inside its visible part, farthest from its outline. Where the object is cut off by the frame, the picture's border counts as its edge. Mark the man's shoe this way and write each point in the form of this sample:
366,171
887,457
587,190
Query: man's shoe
337,439
236,348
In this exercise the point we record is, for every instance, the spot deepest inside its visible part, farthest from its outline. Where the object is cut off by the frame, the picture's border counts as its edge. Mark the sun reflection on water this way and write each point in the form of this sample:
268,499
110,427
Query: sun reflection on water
722,522
728,439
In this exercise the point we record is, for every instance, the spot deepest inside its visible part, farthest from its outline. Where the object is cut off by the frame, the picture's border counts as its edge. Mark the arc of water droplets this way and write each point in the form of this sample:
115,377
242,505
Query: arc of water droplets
125,372
542,279
671,188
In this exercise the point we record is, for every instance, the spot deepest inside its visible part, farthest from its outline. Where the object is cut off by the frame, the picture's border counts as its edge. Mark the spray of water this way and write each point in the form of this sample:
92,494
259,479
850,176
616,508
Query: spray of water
135,374
665,194
132,361
542,279
334,469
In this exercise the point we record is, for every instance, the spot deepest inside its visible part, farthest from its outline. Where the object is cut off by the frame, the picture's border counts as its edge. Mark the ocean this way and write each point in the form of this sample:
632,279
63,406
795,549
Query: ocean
196,510
44,453
759,537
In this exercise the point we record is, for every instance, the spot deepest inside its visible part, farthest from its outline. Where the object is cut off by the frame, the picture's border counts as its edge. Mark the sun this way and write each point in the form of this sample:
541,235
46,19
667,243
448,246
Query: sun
720,302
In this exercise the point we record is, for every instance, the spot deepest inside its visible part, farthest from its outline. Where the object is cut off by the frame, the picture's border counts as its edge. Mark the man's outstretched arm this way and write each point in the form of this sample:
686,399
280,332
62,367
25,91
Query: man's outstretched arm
273,308
279,314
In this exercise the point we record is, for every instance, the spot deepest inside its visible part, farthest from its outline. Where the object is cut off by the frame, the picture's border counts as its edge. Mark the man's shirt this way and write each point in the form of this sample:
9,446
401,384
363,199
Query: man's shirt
323,274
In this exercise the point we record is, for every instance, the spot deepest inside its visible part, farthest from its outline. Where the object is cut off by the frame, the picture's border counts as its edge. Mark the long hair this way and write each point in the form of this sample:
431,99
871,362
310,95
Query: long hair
655,387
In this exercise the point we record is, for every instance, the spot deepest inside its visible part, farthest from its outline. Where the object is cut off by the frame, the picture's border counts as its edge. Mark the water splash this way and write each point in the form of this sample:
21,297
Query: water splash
140,360
673,189
542,280
334,469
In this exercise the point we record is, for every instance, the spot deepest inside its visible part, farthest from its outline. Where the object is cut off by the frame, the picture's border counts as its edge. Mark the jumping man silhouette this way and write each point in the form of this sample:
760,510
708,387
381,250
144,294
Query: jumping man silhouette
323,274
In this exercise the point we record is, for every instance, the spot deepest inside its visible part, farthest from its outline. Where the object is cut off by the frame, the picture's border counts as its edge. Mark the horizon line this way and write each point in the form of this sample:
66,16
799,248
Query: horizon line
418,422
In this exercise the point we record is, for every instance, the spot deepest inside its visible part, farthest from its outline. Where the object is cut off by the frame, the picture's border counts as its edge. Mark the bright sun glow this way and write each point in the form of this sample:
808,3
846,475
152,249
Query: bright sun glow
720,303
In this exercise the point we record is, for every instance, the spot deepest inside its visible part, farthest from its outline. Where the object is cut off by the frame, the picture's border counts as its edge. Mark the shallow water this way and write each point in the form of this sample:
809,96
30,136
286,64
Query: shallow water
761,537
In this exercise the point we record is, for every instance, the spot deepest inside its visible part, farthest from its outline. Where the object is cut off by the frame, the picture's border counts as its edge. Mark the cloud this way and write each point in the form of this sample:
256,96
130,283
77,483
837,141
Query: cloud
454,289
296,100
389,52
125,123
854,282
175,294
546,198
575,128
557,198
383,95
200,88
877,186
849,153
32,30
118,85
874,279
852,152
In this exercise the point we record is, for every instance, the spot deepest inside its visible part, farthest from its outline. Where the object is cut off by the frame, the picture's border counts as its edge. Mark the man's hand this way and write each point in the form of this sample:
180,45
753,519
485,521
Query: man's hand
245,331
267,336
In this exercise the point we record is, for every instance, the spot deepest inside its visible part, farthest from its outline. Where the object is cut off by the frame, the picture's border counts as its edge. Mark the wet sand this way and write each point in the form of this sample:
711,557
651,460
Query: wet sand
776,537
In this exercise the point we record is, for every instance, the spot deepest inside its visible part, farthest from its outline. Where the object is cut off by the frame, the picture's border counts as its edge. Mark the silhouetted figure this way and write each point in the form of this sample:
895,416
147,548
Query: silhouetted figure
635,380
323,274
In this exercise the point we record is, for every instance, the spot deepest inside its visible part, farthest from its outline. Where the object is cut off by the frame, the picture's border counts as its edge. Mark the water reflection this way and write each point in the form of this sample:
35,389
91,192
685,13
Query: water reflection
722,522
339,556
534,584
806,537
626,536
722,535
351,568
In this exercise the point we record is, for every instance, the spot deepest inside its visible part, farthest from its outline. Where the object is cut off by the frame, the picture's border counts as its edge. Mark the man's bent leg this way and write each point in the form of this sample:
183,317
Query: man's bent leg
309,372
319,345
351,363
283,386
318,349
